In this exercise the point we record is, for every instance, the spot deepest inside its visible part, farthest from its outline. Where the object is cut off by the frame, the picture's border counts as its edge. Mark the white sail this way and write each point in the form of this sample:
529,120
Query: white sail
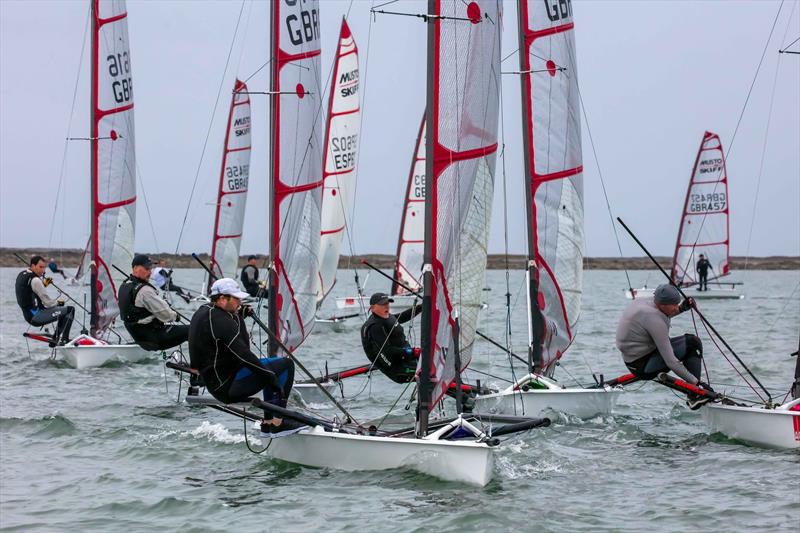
341,154
463,131
296,173
553,174
233,182
411,243
113,158
704,220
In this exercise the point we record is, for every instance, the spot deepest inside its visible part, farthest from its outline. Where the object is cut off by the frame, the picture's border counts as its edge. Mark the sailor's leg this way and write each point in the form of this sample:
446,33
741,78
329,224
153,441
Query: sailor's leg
65,323
689,351
172,335
283,367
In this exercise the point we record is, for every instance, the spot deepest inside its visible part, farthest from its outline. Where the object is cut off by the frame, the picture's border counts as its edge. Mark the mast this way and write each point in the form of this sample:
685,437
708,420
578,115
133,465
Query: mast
274,170
93,315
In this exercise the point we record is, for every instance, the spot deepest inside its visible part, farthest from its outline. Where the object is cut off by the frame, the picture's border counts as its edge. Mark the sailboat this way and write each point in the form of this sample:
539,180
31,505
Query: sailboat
408,264
460,153
113,187
339,166
554,194
704,228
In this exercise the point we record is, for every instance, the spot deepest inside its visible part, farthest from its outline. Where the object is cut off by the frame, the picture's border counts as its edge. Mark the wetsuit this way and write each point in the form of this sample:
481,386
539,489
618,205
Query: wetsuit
145,313
385,344
249,277
219,347
702,271
647,349
39,309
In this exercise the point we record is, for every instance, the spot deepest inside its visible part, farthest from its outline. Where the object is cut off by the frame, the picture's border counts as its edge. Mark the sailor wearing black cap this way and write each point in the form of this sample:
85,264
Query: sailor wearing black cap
384,340
647,349
145,313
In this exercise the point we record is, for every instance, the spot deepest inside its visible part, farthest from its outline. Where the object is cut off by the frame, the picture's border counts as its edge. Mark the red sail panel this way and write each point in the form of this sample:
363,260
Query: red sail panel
704,227
554,171
113,162
464,139
233,181
411,243
296,174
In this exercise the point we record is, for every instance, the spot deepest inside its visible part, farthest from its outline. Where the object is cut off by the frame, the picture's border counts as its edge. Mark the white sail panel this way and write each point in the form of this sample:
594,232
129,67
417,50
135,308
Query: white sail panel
297,167
704,227
464,130
113,159
555,170
411,244
233,183
341,154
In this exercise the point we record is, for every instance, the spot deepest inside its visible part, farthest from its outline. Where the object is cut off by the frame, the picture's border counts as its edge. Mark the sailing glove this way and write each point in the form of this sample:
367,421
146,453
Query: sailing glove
687,304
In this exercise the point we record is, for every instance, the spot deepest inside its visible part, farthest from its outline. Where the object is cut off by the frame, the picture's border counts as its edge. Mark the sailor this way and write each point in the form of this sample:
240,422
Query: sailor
702,267
53,266
384,341
219,347
162,280
145,313
249,277
647,349
38,308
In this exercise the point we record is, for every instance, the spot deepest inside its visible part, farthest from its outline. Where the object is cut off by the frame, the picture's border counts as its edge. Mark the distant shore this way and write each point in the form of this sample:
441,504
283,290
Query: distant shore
69,258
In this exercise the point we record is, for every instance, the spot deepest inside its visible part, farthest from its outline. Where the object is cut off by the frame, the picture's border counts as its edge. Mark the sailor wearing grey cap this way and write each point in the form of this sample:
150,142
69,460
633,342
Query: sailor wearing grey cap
647,349
384,340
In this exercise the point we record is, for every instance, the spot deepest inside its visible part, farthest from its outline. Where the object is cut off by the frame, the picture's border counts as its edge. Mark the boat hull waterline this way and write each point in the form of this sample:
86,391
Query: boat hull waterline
770,428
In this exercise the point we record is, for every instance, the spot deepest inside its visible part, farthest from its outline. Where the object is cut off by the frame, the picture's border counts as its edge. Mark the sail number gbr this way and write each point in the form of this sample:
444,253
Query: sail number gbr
706,203
343,152
237,177
119,68
418,187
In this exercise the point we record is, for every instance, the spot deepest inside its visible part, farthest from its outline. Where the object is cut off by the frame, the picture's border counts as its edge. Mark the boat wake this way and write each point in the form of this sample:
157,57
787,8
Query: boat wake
219,433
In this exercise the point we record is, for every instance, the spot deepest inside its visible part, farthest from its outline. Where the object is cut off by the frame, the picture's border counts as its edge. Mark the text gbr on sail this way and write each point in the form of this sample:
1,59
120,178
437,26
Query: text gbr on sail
119,68
558,9
305,28
418,190
237,177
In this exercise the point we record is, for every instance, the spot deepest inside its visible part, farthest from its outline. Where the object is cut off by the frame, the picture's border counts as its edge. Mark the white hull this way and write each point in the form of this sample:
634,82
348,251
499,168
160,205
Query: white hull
336,325
98,353
583,403
713,293
771,428
400,304
463,461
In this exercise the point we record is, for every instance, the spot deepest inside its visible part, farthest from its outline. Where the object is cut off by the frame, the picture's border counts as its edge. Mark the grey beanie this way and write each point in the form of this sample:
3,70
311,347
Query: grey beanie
667,294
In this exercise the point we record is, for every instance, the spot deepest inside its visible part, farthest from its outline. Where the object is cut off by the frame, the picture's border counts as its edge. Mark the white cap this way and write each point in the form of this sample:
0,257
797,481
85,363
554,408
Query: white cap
228,287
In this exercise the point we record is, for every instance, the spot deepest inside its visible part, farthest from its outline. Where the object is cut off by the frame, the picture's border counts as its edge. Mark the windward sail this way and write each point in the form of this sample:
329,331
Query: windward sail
233,181
553,175
462,123
704,222
296,171
113,163
411,243
341,154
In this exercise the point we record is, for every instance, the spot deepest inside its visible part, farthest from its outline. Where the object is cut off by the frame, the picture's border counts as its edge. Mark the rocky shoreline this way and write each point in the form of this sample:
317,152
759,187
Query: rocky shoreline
69,258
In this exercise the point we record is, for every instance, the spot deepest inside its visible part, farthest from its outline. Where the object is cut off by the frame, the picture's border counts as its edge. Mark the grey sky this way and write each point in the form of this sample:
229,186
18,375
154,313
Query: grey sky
654,76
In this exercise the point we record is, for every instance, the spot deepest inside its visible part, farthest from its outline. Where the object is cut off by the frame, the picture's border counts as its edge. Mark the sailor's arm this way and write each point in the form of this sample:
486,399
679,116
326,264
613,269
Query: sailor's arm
150,300
379,336
409,313
38,287
659,331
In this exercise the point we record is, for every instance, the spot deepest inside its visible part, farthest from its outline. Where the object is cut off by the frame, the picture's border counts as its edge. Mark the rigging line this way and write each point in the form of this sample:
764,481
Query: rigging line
785,48
69,130
244,36
764,147
147,207
780,315
210,124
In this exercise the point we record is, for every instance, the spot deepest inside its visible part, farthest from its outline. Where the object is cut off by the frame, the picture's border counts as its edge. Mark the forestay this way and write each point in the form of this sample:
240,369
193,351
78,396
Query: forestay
233,182
341,154
113,165
296,171
554,175
411,242
462,125
704,220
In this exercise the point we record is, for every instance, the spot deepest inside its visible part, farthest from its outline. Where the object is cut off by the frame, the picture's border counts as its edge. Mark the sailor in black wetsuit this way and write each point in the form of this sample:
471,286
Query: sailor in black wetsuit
384,341
219,348
38,307
249,277
145,313
702,271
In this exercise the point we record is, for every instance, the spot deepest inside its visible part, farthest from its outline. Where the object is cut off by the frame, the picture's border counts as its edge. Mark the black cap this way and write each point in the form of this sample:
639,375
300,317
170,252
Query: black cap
380,298
141,260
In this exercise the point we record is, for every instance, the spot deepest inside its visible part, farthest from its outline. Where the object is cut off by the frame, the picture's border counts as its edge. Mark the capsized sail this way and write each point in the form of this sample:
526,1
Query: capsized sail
411,243
553,176
341,154
233,181
113,163
296,169
704,225
461,149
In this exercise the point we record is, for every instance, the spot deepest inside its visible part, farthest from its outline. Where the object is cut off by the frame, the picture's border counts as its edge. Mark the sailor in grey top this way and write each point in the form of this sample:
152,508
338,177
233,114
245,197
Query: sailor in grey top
643,338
